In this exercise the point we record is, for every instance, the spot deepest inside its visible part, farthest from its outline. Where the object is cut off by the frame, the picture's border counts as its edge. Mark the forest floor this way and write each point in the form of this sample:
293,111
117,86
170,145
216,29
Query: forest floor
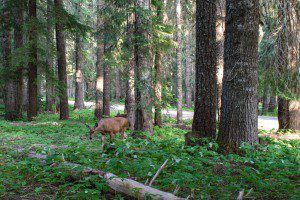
264,122
268,171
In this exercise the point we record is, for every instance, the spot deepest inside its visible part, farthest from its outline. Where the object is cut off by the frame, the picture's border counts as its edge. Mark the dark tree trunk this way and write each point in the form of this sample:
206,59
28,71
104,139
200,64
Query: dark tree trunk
158,72
99,66
265,99
9,87
118,85
61,62
288,63
188,69
18,34
283,113
143,66
239,96
220,29
265,106
25,93
32,75
106,89
50,99
178,61
272,104
79,62
130,95
204,121
158,89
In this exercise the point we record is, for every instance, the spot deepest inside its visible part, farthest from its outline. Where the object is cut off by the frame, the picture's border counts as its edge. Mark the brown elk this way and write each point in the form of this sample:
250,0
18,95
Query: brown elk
109,126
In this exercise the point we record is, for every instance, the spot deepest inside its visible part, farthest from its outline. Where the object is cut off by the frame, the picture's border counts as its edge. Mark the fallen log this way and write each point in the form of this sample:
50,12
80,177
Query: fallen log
124,186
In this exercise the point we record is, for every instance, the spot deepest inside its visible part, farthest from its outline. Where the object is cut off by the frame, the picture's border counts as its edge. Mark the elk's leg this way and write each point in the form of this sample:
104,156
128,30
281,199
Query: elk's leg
123,133
102,140
111,136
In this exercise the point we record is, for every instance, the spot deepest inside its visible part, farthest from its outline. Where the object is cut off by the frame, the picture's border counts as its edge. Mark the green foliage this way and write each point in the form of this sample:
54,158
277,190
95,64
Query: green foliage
267,172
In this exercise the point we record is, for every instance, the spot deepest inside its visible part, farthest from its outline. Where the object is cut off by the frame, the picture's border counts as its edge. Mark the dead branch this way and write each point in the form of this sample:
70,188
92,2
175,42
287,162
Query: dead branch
157,173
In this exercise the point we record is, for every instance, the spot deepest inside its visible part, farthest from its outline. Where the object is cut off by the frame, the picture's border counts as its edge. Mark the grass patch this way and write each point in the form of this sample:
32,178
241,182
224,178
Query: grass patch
270,172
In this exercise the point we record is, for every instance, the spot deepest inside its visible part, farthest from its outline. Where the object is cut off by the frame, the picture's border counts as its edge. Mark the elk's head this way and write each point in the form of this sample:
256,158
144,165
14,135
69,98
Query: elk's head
92,130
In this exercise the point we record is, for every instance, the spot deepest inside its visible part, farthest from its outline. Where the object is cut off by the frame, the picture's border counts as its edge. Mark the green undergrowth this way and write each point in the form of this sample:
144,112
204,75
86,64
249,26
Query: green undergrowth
269,172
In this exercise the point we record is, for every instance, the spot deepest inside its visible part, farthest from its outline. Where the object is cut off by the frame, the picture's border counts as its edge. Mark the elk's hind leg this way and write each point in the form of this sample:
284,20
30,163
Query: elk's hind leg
123,133
102,140
111,134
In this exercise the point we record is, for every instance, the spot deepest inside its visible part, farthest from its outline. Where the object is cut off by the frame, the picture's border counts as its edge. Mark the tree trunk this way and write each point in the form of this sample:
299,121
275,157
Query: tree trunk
50,99
239,94
9,99
220,29
143,66
118,85
294,113
130,95
79,62
283,113
61,62
158,71
288,63
188,68
32,75
266,98
265,106
99,64
204,121
106,89
178,61
272,104
18,34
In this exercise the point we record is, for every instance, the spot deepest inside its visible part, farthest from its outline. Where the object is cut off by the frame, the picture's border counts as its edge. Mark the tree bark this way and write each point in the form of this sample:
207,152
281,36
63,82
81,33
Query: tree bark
32,75
272,104
99,68
118,85
283,113
9,100
188,68
79,62
18,34
61,61
266,98
239,118
158,70
106,89
143,66
288,63
294,113
130,95
265,106
204,121
220,29
50,99
178,61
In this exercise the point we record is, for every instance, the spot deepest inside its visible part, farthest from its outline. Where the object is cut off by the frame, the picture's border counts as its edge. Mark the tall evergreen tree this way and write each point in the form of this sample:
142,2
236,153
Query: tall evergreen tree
158,70
106,86
50,72
99,65
33,58
143,66
206,65
79,62
61,61
239,96
178,61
